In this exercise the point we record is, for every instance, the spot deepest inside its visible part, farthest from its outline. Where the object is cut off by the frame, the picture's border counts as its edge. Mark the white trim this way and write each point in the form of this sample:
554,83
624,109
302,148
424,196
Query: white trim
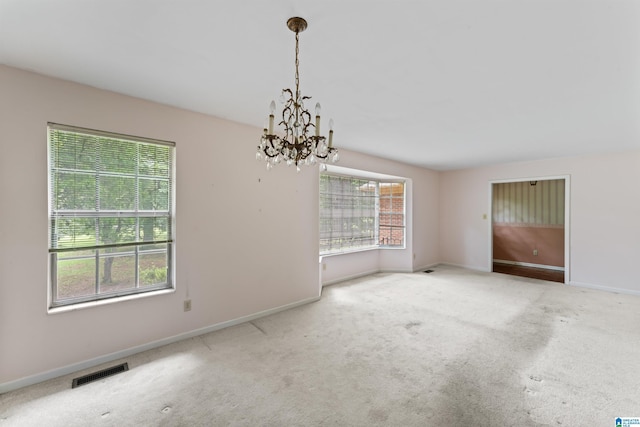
350,277
396,270
426,267
106,301
383,270
567,228
468,267
528,264
605,288
359,173
108,134
353,251
69,369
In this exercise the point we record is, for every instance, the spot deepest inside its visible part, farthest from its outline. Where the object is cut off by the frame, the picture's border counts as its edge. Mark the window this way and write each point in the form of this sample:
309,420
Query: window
358,213
391,213
110,214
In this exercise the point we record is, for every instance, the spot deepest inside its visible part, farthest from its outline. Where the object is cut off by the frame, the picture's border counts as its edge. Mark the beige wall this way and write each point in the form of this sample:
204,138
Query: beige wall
224,254
232,260
603,211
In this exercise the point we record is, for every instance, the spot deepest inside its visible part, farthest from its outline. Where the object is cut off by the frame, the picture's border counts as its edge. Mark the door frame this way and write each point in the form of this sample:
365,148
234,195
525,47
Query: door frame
567,217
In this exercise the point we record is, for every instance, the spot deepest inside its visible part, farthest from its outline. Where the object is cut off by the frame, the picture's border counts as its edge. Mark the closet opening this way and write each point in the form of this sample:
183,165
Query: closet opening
529,230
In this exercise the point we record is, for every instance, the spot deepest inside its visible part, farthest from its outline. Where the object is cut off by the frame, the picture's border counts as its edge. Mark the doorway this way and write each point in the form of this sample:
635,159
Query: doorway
529,228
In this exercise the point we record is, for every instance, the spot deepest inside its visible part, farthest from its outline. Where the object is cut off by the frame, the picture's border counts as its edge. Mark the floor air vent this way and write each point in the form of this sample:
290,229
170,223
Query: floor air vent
428,271
95,376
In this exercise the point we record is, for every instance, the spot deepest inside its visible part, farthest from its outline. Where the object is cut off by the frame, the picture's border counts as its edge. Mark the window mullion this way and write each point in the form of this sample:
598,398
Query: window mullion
377,215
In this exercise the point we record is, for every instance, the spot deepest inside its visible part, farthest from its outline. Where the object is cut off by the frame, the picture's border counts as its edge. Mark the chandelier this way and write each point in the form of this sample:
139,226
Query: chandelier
297,146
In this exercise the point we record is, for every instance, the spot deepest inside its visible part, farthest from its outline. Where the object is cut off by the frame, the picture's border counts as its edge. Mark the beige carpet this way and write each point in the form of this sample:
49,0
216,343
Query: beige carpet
454,348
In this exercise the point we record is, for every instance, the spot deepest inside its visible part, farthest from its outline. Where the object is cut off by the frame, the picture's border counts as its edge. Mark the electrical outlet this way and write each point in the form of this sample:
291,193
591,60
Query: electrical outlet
187,305
535,252
324,266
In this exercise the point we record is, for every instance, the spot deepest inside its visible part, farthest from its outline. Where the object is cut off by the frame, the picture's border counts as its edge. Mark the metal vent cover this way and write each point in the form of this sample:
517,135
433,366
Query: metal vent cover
98,375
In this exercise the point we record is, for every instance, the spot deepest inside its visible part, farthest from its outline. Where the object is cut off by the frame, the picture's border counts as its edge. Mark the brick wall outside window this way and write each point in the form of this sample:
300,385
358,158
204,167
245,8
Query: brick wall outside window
391,214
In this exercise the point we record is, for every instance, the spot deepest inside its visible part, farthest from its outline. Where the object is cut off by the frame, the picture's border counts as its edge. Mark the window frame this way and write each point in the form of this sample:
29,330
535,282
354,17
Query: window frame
378,179
137,247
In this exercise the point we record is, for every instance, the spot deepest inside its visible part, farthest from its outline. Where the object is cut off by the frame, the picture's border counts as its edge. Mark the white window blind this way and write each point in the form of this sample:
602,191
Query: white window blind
110,214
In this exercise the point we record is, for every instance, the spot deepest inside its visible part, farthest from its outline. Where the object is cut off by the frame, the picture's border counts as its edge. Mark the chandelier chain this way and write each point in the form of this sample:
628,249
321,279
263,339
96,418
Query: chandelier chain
297,65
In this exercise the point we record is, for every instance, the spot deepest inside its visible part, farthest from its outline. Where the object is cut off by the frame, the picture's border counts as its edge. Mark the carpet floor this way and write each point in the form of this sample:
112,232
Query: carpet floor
454,348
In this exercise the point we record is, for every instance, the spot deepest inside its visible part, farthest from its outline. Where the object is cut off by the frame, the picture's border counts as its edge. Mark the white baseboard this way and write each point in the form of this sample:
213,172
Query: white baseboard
605,288
468,267
368,273
349,277
396,270
426,267
75,367
528,264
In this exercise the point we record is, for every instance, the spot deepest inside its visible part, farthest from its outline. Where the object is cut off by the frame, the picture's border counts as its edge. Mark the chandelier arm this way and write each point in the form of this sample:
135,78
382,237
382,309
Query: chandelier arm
306,115
286,114
270,150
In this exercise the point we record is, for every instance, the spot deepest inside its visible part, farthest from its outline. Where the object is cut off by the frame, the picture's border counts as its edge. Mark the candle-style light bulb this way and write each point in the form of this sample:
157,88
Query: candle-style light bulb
317,119
272,110
330,133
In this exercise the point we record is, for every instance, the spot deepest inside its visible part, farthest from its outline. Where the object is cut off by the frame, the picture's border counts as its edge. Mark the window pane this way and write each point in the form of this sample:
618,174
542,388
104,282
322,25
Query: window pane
347,213
117,272
118,156
392,214
75,191
154,228
117,193
153,268
154,195
73,232
76,277
155,160
73,151
116,230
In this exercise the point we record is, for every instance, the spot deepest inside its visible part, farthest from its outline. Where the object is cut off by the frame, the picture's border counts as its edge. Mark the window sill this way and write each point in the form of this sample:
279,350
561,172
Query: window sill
373,248
89,304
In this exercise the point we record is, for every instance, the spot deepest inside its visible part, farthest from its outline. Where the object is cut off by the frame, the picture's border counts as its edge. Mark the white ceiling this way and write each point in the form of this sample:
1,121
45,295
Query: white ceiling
443,84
